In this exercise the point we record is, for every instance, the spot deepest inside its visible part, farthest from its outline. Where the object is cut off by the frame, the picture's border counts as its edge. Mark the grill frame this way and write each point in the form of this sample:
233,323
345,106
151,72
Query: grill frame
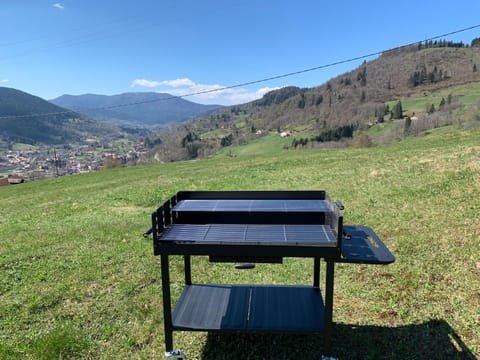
171,213
198,211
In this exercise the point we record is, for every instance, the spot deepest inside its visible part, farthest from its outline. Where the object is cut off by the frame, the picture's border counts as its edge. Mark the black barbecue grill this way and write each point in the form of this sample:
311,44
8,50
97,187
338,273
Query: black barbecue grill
257,227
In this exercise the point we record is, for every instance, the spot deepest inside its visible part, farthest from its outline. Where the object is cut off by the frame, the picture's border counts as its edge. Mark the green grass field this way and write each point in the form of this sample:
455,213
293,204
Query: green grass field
466,94
77,279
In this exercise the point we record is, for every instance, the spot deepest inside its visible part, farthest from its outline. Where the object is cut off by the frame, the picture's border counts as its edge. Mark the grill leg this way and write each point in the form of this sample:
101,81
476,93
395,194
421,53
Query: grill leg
167,306
329,307
188,270
316,272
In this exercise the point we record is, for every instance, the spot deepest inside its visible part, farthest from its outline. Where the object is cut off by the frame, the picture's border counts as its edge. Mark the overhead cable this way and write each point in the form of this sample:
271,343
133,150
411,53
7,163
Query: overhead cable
276,77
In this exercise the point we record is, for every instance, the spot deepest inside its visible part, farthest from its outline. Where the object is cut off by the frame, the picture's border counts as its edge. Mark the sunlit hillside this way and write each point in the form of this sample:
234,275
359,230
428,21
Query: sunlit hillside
78,280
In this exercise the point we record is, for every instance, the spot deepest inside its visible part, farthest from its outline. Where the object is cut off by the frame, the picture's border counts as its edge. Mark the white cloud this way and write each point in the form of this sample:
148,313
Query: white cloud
145,83
178,83
205,93
59,6
4,81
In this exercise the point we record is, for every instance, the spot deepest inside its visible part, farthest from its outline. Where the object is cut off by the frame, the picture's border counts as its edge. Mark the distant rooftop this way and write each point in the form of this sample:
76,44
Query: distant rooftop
11,180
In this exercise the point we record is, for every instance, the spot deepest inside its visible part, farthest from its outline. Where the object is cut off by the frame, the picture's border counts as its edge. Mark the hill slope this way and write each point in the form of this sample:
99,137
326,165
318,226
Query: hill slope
359,96
29,125
146,108
353,101
79,281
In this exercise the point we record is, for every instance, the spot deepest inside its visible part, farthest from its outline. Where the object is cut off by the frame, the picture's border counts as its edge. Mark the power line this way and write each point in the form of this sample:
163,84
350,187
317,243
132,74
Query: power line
100,31
276,77
103,27
97,35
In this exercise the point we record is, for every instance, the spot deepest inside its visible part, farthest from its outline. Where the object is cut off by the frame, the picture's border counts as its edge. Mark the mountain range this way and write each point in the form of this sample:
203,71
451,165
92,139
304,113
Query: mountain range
139,108
352,101
26,118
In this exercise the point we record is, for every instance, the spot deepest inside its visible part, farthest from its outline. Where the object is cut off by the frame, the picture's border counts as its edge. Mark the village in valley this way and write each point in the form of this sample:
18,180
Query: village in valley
28,163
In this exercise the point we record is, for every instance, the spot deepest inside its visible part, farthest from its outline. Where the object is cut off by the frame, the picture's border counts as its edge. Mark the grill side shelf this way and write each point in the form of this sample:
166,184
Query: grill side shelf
361,245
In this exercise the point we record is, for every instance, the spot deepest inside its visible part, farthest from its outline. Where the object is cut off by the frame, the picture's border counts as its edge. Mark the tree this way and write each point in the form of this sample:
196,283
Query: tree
300,142
397,111
442,103
430,108
363,96
380,113
423,74
408,124
415,79
189,138
192,150
150,144
301,102
227,140
474,67
335,134
449,99
362,76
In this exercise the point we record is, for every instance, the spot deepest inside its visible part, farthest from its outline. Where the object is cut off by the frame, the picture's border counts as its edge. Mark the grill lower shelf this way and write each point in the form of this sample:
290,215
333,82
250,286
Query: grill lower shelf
209,307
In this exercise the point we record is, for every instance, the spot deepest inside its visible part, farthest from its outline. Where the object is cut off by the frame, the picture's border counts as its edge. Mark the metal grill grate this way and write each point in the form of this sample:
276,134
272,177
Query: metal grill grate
312,235
253,205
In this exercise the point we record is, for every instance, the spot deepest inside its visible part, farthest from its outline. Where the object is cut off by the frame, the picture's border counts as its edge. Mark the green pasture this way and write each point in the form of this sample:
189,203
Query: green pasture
23,147
271,144
78,280
466,94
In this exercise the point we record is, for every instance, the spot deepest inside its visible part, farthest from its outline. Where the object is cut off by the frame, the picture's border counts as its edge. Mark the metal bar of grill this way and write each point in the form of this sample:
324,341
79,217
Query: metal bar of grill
253,205
311,235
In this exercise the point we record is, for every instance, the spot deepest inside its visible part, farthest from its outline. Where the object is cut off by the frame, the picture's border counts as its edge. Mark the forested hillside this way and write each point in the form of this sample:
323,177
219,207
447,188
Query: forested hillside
346,105
25,118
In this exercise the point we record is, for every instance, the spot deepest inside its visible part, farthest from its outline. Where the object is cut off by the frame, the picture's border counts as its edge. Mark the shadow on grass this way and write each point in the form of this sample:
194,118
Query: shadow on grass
431,340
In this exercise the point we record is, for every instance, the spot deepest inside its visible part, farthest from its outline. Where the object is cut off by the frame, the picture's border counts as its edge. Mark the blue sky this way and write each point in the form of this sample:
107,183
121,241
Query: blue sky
51,48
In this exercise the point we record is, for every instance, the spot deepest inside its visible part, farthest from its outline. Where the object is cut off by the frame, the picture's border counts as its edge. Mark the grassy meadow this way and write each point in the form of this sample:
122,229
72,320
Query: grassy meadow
466,94
78,280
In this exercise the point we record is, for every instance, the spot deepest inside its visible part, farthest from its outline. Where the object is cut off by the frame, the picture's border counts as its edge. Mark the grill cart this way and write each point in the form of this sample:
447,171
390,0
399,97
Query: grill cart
248,227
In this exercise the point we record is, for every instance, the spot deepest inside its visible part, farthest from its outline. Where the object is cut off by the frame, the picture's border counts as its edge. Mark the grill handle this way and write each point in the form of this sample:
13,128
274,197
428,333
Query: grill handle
148,232
244,266
339,205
